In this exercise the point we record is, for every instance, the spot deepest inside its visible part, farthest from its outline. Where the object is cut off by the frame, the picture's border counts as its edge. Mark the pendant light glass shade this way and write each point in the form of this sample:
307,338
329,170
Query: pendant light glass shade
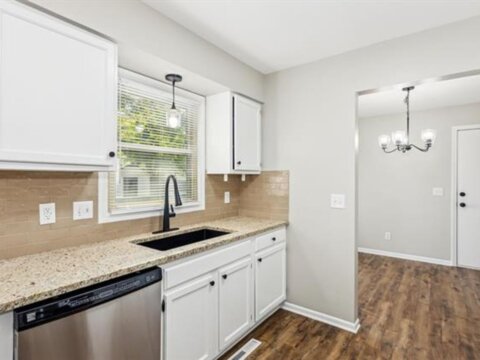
429,136
174,118
384,141
399,137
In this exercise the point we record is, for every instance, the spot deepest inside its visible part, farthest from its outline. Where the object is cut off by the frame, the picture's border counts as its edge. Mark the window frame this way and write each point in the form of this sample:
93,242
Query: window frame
104,215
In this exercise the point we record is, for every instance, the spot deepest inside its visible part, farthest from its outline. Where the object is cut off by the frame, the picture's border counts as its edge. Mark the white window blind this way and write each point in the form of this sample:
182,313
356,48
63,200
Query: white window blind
149,151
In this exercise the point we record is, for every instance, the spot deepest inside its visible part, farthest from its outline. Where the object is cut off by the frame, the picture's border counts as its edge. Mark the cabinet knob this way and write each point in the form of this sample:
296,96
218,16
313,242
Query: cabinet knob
224,276
463,204
259,259
274,238
111,154
212,283
239,163
462,194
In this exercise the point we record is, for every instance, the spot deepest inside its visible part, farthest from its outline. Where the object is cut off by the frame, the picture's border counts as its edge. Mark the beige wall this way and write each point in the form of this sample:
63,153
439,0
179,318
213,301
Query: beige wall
22,192
395,190
310,129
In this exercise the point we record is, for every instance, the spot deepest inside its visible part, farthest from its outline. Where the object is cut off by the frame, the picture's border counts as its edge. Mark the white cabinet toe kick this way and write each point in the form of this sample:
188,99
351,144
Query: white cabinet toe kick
213,299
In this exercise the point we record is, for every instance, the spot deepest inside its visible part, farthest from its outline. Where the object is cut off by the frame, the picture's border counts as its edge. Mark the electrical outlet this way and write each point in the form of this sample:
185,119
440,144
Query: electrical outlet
337,201
437,191
388,235
82,210
226,197
47,213
225,177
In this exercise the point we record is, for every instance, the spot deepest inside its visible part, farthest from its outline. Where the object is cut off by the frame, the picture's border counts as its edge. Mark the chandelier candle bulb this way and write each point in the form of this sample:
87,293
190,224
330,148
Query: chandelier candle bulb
384,141
399,138
429,136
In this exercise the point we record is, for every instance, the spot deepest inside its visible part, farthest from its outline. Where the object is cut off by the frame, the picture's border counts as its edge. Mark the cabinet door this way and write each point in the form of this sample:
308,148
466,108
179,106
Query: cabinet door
270,280
57,91
246,134
191,320
235,301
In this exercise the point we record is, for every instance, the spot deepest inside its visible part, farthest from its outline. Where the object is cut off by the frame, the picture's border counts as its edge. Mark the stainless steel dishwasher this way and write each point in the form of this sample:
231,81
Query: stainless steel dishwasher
115,320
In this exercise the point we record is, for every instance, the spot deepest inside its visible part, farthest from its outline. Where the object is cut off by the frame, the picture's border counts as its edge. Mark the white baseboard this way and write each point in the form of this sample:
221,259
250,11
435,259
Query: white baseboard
405,256
327,319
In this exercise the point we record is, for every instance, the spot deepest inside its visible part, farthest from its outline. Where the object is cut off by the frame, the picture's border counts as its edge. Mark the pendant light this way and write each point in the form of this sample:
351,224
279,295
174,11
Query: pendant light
401,138
174,115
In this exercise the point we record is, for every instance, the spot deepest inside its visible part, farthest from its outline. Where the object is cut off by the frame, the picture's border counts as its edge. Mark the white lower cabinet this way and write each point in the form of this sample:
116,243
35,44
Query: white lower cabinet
235,301
191,320
270,280
212,300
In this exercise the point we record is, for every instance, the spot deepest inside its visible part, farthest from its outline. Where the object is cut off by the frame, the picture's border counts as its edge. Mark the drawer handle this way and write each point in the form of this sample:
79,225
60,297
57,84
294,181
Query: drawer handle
111,154
259,259
224,276
212,283
239,163
274,238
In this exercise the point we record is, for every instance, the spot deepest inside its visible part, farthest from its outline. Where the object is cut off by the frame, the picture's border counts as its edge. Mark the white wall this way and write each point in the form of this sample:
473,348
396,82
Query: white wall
395,190
310,127
149,41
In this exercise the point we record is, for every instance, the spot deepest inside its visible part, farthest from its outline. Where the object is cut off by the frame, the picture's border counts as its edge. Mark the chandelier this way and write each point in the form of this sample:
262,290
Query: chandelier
400,138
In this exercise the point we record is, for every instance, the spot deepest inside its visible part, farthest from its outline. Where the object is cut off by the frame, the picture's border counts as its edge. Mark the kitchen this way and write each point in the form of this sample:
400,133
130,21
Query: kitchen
164,199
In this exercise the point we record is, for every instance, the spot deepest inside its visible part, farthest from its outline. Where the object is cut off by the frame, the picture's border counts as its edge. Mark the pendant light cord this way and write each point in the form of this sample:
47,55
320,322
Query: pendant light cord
173,91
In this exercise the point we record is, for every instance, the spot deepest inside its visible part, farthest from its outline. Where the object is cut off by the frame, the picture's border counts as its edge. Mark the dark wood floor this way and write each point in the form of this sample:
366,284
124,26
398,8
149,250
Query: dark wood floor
408,310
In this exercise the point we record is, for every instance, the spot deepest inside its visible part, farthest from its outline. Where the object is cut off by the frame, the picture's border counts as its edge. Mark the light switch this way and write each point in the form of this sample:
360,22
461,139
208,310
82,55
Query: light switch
388,235
225,177
244,177
47,213
337,201
226,197
437,191
82,210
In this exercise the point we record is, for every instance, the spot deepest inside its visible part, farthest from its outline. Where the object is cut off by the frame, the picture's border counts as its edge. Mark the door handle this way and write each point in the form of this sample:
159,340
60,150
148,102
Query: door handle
463,205
259,259
212,283
224,276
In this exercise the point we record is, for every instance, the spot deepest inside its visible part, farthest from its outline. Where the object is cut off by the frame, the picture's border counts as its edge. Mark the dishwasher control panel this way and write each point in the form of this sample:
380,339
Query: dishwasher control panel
63,305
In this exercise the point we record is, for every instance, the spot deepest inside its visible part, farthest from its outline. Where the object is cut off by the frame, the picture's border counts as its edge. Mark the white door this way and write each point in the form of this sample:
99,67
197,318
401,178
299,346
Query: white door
57,91
270,280
191,321
235,301
247,134
468,198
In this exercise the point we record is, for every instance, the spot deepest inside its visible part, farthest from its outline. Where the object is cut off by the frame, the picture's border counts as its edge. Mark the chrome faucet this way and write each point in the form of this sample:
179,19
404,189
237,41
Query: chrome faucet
168,210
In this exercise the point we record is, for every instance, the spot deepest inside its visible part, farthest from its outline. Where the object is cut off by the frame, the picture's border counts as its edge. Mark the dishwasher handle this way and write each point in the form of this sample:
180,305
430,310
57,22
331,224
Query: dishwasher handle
82,299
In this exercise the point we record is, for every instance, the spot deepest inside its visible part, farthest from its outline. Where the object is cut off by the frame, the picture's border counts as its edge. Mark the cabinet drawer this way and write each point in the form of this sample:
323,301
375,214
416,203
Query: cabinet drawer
176,274
270,238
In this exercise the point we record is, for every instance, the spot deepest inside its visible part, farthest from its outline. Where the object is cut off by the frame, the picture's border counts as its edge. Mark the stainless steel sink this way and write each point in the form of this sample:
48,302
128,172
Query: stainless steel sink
176,241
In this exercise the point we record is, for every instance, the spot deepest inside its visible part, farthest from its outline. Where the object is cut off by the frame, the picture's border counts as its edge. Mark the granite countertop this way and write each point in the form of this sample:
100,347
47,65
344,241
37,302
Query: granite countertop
28,279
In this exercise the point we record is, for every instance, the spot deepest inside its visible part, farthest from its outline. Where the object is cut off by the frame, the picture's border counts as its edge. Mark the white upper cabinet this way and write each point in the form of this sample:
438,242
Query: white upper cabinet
233,134
58,94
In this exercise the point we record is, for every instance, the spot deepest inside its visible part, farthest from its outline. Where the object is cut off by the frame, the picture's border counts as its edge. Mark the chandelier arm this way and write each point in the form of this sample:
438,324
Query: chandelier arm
427,147
390,151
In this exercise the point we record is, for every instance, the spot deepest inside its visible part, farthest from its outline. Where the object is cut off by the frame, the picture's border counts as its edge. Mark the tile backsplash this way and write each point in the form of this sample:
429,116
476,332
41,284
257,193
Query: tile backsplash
265,195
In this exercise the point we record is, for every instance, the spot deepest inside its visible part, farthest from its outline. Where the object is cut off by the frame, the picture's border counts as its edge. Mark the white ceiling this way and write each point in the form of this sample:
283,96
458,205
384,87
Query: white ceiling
272,35
428,96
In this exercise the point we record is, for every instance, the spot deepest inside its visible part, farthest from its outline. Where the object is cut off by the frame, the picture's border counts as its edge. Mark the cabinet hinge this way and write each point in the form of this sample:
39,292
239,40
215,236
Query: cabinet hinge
163,305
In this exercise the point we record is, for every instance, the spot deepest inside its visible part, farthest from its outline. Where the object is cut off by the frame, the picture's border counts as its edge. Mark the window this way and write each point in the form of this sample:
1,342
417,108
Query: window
149,151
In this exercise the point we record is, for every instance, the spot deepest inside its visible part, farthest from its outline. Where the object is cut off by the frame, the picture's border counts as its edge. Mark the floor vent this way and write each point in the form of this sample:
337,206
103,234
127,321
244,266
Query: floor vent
246,350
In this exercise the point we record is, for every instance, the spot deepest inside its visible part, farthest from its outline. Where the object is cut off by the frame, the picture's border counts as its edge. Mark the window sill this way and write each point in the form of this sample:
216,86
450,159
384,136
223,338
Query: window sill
143,213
